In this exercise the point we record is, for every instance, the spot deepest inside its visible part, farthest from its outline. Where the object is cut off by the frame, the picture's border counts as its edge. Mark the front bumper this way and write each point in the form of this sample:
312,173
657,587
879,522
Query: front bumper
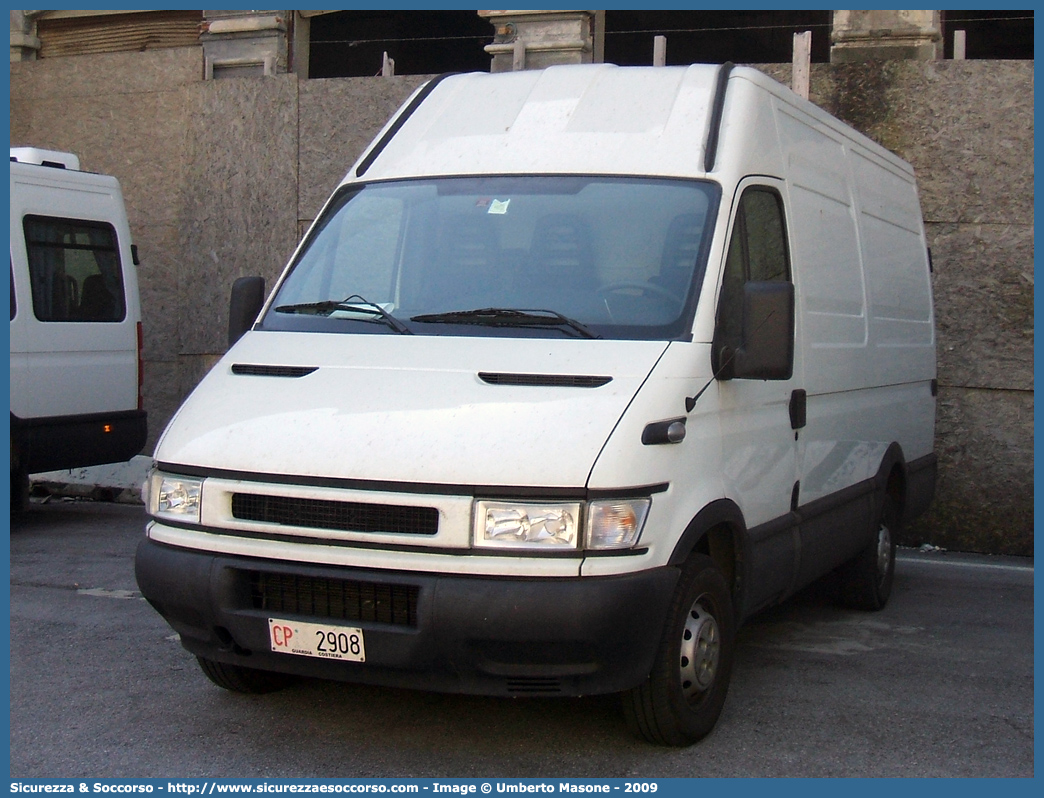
450,633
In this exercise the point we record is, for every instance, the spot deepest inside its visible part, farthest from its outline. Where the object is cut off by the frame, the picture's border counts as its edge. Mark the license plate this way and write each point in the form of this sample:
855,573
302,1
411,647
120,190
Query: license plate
316,640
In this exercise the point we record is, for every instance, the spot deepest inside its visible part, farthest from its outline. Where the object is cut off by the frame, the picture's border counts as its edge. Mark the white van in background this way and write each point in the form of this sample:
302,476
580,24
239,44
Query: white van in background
576,370
76,372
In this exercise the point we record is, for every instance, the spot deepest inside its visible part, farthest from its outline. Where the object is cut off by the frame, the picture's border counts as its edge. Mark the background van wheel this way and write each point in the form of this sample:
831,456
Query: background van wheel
866,581
19,491
681,699
243,680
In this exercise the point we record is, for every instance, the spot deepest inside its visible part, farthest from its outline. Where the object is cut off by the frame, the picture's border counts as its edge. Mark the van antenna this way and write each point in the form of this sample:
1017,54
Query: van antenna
710,152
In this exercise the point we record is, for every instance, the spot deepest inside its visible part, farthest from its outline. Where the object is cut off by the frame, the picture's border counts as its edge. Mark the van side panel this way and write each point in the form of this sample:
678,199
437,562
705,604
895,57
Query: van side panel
826,249
894,252
864,303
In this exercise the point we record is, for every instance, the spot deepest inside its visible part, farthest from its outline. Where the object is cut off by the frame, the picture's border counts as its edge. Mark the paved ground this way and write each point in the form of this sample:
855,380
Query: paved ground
940,683
110,482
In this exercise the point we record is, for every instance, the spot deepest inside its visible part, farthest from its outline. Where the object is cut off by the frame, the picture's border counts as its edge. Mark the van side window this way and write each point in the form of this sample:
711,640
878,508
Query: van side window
74,270
757,253
766,242
12,293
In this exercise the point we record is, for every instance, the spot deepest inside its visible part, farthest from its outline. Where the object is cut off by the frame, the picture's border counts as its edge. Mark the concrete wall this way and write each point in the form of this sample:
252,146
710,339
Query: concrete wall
221,178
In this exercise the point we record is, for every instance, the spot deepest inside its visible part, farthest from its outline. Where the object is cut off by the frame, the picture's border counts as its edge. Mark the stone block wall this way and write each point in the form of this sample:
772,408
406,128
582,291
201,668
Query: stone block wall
222,177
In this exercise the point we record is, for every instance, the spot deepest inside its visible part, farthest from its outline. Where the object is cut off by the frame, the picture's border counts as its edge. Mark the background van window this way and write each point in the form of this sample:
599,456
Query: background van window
74,270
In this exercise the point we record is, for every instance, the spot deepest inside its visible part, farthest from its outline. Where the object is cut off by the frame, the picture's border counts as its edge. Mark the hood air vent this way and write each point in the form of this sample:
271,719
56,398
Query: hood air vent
272,371
544,380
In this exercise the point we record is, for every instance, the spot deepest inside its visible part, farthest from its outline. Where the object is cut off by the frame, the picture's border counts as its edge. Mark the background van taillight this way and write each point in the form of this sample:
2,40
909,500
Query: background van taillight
141,369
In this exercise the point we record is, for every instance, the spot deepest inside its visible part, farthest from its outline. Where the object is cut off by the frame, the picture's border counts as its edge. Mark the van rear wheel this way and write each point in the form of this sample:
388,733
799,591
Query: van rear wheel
238,679
866,581
681,699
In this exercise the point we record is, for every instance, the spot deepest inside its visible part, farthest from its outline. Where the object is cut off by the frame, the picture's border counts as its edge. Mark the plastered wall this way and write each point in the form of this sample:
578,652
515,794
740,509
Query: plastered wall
222,177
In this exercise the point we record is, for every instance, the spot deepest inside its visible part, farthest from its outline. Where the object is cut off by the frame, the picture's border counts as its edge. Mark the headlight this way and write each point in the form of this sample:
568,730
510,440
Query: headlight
527,526
615,523
174,498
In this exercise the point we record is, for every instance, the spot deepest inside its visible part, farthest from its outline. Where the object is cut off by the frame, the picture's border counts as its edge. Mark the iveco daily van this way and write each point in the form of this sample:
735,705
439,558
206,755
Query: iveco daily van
576,370
76,373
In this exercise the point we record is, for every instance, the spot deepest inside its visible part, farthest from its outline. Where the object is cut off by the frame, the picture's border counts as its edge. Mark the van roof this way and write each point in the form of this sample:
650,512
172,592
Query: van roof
52,158
561,119
592,118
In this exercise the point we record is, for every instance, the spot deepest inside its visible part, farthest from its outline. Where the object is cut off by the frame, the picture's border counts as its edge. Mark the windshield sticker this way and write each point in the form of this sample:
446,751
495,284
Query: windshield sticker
499,207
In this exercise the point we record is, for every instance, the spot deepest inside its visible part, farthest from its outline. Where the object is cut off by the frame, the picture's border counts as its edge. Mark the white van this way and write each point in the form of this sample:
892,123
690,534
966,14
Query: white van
576,370
76,376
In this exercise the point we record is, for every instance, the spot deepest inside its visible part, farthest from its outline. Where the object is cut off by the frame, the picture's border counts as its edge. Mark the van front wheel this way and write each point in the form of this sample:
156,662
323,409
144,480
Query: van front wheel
681,699
238,679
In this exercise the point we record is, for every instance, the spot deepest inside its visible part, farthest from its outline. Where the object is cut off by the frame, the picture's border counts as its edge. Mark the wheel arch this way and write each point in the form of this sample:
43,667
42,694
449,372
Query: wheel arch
892,476
718,532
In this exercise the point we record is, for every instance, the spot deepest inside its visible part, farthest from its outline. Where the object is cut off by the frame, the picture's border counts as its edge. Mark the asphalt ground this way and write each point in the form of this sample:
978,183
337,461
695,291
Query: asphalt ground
939,683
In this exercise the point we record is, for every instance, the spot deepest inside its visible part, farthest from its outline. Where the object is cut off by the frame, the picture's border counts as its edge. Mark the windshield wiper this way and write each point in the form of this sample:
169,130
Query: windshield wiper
355,303
507,317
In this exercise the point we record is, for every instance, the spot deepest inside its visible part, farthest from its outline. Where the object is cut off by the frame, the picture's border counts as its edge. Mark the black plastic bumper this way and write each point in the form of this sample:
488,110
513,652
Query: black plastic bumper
484,635
57,442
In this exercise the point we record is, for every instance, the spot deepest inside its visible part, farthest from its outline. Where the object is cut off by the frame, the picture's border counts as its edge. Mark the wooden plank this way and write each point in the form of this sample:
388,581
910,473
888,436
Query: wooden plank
802,63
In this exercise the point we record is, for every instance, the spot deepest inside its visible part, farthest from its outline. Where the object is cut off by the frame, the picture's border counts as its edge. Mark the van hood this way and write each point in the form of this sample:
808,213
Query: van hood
455,411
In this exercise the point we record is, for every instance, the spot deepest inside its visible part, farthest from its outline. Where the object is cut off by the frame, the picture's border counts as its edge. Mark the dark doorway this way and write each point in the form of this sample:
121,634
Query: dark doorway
693,37
991,34
351,43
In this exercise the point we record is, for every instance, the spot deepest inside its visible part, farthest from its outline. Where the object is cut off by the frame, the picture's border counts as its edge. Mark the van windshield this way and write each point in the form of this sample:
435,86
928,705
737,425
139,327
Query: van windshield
553,256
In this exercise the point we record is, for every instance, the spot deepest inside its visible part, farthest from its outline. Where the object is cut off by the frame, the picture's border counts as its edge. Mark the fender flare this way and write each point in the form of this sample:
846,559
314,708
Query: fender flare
719,513
893,460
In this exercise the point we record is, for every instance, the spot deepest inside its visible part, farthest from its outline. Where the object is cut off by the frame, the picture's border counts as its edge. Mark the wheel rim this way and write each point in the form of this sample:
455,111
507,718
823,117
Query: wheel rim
884,551
700,650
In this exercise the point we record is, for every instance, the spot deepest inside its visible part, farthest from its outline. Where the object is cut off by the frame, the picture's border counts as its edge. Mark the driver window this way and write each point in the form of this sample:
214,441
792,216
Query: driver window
757,253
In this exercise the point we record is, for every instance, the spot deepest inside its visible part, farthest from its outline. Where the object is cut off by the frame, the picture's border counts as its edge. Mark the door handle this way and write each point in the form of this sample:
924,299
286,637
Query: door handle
797,408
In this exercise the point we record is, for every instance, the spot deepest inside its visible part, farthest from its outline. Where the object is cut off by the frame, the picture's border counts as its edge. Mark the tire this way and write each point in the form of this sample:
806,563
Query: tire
238,679
681,699
866,581
19,491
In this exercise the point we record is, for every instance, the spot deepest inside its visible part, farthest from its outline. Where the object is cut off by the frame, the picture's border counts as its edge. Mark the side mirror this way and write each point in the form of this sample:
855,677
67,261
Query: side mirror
766,348
767,352
248,295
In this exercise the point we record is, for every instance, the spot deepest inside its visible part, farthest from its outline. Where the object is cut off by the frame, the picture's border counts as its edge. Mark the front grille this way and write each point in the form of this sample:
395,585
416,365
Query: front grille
341,599
345,516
